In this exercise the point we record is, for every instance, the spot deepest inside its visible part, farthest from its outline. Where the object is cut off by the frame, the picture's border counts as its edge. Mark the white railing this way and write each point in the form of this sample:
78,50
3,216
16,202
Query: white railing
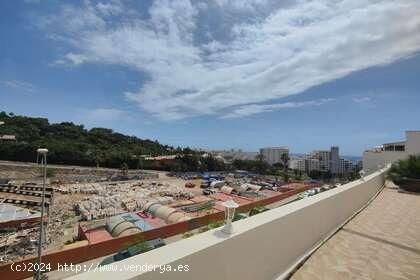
264,246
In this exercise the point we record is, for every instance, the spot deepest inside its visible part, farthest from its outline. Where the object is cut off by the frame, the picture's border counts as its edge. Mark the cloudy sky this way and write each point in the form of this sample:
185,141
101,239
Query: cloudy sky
218,73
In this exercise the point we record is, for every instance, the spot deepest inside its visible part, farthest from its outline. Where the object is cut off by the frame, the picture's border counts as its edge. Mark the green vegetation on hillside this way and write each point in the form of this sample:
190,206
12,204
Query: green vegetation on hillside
73,144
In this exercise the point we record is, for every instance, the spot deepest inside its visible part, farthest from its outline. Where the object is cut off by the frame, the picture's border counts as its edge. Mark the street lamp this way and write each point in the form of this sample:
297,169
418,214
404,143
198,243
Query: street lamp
362,174
230,207
43,154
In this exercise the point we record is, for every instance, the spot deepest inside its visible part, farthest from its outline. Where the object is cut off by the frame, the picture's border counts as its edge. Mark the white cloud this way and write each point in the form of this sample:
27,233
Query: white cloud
72,20
246,5
295,47
112,8
74,59
252,109
18,85
363,99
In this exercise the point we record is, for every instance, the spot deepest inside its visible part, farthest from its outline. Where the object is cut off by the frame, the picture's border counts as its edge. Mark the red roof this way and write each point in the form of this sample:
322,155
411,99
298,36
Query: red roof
97,235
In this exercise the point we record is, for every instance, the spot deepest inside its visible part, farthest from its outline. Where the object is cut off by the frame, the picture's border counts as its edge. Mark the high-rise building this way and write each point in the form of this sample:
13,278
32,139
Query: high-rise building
273,155
334,160
325,161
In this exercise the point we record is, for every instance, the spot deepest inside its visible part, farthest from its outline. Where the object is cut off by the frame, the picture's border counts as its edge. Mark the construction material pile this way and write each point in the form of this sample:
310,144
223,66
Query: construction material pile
99,207
17,245
196,207
109,199
169,214
84,188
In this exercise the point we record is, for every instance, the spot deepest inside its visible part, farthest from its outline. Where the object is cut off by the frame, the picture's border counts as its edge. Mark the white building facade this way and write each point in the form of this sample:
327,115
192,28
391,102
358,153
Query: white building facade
325,161
391,152
274,155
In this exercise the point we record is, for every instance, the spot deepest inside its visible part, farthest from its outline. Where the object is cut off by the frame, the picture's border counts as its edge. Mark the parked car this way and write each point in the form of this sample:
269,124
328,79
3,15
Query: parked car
208,191
205,184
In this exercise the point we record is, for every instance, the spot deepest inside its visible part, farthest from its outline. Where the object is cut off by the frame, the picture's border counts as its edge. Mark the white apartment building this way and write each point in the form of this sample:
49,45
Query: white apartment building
334,160
273,155
348,166
325,161
391,152
315,161
232,154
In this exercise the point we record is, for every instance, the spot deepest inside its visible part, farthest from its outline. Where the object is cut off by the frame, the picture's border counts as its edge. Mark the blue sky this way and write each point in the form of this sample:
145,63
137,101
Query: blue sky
218,74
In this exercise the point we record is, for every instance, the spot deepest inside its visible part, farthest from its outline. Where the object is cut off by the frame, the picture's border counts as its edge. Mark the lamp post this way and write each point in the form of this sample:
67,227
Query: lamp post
43,154
1,123
362,174
230,207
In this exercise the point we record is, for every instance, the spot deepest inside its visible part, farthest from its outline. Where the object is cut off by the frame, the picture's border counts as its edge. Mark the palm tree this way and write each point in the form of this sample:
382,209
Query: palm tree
285,158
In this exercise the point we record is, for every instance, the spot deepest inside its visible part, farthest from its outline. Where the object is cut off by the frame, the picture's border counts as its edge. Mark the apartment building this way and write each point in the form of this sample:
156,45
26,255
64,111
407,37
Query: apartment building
273,155
347,166
334,160
325,161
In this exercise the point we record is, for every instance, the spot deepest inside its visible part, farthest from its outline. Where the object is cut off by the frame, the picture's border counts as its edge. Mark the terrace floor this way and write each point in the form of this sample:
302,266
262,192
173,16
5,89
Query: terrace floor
381,242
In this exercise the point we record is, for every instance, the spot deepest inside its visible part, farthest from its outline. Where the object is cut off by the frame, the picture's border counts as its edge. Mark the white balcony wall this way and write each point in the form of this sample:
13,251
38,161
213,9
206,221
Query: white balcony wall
265,246
372,159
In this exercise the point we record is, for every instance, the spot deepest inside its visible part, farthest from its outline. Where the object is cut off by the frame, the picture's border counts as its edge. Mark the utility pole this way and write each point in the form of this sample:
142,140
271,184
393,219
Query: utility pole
43,154
1,123
7,236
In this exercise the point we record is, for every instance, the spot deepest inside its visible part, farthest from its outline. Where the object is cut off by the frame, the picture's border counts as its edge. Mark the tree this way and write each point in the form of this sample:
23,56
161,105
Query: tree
73,144
99,157
285,159
124,169
259,157
286,177
140,162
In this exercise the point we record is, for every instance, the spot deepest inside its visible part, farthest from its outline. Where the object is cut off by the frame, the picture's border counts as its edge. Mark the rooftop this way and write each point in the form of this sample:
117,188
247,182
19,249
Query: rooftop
395,143
381,242
10,212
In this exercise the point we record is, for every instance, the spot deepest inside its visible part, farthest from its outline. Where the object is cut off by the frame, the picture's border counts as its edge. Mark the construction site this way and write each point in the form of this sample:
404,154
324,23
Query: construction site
20,204
83,209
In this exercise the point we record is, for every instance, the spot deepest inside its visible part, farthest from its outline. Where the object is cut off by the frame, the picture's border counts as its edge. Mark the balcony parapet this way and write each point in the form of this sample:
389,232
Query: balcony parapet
265,246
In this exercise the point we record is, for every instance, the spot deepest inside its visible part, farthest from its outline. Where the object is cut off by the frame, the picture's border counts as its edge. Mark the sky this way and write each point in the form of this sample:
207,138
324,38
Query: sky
218,74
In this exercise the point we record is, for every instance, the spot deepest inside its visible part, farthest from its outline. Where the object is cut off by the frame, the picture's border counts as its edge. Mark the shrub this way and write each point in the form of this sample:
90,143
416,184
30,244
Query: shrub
256,210
403,169
187,234
215,224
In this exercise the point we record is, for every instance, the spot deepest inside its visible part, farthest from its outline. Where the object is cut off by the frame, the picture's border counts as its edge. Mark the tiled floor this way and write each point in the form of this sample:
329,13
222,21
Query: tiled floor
381,242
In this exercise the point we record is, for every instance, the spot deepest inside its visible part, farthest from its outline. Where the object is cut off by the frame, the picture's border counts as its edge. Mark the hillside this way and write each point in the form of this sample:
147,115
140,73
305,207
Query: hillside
73,144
